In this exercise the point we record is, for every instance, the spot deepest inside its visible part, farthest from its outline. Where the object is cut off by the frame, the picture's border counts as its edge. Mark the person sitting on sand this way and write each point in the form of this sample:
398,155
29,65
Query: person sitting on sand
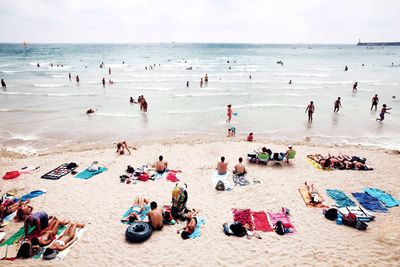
190,226
137,208
250,137
155,216
10,209
222,166
239,168
161,165
290,150
313,193
121,146
40,219
49,234
67,238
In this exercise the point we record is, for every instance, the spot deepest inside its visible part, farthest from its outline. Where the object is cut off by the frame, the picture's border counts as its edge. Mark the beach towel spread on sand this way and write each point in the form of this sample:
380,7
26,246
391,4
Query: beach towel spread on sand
305,194
383,197
86,174
261,222
340,198
31,195
244,217
240,180
370,203
17,236
196,232
142,215
215,177
60,171
284,218
361,214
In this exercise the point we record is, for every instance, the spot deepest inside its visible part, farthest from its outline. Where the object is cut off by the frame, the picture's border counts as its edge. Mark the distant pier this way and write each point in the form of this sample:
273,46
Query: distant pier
378,44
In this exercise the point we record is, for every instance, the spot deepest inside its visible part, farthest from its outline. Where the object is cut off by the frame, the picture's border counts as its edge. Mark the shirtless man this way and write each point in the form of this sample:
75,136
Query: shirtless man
155,216
239,168
190,226
222,166
161,165
337,105
67,238
121,146
310,108
355,87
383,111
375,101
49,234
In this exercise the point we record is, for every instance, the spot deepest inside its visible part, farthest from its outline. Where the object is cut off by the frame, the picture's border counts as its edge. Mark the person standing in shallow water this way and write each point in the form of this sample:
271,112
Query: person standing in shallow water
187,84
383,111
109,71
355,87
310,108
229,113
375,101
77,79
104,82
201,82
337,105
69,76
3,84
206,79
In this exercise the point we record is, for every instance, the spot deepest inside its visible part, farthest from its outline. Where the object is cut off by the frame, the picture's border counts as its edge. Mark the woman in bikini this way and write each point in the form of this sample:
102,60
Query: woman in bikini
191,224
137,208
7,210
49,234
67,238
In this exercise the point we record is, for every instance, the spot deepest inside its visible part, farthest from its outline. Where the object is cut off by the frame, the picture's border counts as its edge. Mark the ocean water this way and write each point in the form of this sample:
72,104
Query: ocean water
41,108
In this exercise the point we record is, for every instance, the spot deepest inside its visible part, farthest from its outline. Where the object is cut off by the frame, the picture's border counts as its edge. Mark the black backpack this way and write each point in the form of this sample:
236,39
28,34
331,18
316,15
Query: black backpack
279,228
331,214
220,186
130,169
238,229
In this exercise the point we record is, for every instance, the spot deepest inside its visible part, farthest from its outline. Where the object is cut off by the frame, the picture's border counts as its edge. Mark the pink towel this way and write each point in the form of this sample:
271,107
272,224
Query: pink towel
261,222
283,217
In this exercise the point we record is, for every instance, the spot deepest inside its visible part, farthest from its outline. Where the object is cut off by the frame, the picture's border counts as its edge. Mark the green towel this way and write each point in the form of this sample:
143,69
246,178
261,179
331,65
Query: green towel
17,236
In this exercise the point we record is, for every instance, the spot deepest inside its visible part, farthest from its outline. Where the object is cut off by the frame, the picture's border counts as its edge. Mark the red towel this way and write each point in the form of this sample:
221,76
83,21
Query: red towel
243,216
261,221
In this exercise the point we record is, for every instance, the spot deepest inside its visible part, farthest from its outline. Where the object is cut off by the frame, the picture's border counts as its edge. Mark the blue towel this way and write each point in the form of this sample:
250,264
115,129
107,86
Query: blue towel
340,198
196,233
86,174
32,194
383,197
370,203
142,215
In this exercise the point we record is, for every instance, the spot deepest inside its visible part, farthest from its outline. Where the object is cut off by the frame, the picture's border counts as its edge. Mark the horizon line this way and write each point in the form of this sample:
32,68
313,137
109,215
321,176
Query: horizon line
177,42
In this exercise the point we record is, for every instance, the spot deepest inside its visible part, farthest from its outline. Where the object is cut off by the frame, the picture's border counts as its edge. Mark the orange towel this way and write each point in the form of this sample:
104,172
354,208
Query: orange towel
307,199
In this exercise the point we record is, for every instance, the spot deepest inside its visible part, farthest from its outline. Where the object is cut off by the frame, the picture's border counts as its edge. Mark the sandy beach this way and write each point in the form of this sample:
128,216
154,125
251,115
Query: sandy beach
103,199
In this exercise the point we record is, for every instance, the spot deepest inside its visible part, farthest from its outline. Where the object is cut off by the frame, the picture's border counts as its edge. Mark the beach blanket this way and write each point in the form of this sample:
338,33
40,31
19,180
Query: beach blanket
215,177
383,197
31,195
240,180
244,217
318,166
86,174
142,215
171,176
17,236
305,194
196,232
340,198
59,172
284,218
370,203
261,222
361,214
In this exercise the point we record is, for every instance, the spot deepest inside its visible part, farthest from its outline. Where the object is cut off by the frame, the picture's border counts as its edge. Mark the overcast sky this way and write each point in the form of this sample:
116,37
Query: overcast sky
245,21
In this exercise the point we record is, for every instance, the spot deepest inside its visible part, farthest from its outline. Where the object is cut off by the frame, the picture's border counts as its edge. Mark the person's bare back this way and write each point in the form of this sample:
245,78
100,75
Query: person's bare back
156,218
222,167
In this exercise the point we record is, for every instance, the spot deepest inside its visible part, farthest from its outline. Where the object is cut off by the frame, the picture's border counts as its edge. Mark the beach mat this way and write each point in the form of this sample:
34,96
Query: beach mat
215,177
284,218
58,172
261,222
361,214
340,198
307,198
388,200
240,180
243,216
86,174
196,233
318,166
31,195
17,236
370,203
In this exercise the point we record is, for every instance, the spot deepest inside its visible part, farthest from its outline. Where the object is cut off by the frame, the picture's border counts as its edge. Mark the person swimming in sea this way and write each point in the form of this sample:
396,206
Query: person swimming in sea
90,111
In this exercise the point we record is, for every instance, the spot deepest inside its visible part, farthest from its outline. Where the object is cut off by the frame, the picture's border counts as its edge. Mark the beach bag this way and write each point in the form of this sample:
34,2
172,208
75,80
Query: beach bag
130,169
220,186
71,165
350,219
143,177
331,214
238,229
279,228
11,175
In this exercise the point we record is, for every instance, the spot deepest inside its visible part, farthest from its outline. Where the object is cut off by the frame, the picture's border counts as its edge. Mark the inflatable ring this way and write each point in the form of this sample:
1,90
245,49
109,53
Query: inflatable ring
138,232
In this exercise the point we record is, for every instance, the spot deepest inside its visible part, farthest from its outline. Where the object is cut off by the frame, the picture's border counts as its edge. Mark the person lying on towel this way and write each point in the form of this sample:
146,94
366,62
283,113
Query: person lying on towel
313,193
49,234
67,238
190,226
10,208
137,208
